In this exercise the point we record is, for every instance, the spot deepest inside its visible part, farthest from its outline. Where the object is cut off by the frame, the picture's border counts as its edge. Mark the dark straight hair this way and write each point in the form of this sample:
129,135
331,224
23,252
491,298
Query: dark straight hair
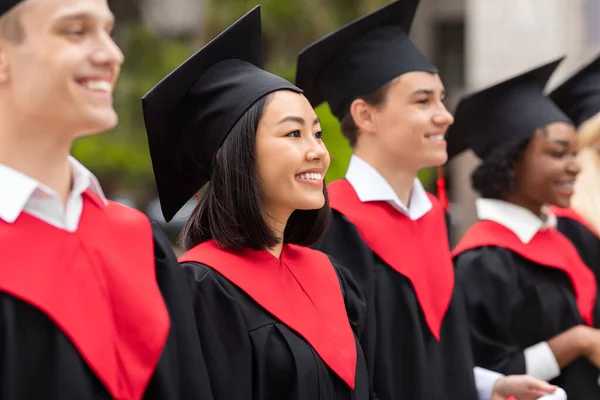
230,211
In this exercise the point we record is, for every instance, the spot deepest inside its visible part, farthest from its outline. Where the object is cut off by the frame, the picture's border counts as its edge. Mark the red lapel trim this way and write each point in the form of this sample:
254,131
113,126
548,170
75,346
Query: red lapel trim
301,289
419,250
97,284
548,247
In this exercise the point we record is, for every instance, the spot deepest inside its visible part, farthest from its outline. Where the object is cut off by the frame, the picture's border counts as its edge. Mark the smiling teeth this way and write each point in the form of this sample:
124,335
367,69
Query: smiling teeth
100,86
311,176
436,137
567,185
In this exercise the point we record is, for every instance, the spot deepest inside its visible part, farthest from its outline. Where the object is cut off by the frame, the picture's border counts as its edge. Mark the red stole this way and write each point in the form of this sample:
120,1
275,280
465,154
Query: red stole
98,285
301,290
548,248
419,250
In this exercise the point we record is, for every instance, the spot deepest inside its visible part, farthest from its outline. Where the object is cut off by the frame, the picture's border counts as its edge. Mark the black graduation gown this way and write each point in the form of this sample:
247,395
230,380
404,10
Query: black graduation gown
250,353
40,347
574,227
404,358
514,303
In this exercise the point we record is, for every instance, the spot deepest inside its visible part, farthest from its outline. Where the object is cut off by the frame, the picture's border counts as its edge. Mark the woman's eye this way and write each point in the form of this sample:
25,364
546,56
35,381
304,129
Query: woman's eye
294,134
319,135
423,101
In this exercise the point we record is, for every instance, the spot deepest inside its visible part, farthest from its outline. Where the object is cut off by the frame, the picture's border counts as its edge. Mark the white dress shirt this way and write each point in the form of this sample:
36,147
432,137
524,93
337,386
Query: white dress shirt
369,185
20,193
540,361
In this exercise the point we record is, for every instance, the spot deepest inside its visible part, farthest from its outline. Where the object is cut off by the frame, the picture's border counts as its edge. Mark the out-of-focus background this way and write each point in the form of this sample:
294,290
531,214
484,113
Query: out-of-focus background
473,42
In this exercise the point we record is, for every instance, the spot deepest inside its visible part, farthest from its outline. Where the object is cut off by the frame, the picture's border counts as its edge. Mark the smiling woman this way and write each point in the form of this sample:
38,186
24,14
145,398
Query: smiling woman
267,180
277,318
530,296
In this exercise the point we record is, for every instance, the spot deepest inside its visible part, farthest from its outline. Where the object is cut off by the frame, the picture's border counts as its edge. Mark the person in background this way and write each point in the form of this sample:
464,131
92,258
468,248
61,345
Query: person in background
91,306
579,98
531,300
276,319
385,229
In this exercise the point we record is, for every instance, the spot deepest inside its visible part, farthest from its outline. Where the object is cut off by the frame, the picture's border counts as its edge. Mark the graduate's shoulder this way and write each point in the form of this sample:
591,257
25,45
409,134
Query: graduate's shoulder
495,261
126,216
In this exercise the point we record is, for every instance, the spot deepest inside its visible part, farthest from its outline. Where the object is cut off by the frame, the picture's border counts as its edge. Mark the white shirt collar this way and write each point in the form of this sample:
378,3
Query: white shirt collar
519,220
20,188
371,186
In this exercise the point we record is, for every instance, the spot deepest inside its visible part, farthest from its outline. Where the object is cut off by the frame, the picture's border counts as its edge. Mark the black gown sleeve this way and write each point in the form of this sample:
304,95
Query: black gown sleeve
344,245
487,279
353,299
223,334
181,372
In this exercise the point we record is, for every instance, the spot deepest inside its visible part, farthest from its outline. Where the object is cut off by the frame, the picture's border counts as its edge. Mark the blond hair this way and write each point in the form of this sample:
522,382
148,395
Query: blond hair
586,200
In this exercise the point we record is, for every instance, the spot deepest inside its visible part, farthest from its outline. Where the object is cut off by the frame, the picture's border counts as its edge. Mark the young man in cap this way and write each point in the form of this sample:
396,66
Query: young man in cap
90,305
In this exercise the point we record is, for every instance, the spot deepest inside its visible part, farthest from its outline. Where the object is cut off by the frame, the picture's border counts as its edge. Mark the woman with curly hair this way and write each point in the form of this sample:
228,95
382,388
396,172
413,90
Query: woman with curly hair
531,298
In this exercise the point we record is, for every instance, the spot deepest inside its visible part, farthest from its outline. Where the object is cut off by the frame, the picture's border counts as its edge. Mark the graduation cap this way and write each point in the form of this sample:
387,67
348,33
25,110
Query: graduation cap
579,96
504,114
6,5
190,112
361,57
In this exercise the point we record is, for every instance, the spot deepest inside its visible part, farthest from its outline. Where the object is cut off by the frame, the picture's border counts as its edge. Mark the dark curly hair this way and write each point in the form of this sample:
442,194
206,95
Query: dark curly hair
495,175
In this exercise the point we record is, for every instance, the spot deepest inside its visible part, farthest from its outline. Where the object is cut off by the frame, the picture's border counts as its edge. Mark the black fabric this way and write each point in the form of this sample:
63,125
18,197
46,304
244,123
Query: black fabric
361,57
39,362
586,242
503,115
190,112
513,304
252,355
404,360
6,5
579,95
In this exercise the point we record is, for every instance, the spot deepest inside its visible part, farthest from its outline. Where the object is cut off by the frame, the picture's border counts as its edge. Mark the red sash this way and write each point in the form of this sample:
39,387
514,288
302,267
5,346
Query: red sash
419,250
301,289
97,284
548,247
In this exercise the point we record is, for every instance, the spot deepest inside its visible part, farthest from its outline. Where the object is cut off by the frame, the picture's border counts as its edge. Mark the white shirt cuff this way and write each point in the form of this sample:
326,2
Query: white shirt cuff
485,380
560,394
541,363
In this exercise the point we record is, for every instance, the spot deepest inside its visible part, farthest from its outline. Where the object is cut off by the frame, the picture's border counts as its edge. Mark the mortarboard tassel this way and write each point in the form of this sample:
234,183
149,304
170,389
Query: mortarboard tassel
441,189
197,198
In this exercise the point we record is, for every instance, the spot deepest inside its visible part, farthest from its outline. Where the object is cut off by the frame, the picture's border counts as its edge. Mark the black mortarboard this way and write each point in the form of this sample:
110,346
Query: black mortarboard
504,114
6,5
361,57
190,112
579,96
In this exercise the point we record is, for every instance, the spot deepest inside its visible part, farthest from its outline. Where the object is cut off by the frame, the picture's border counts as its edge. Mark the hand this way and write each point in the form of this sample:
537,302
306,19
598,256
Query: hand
521,387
